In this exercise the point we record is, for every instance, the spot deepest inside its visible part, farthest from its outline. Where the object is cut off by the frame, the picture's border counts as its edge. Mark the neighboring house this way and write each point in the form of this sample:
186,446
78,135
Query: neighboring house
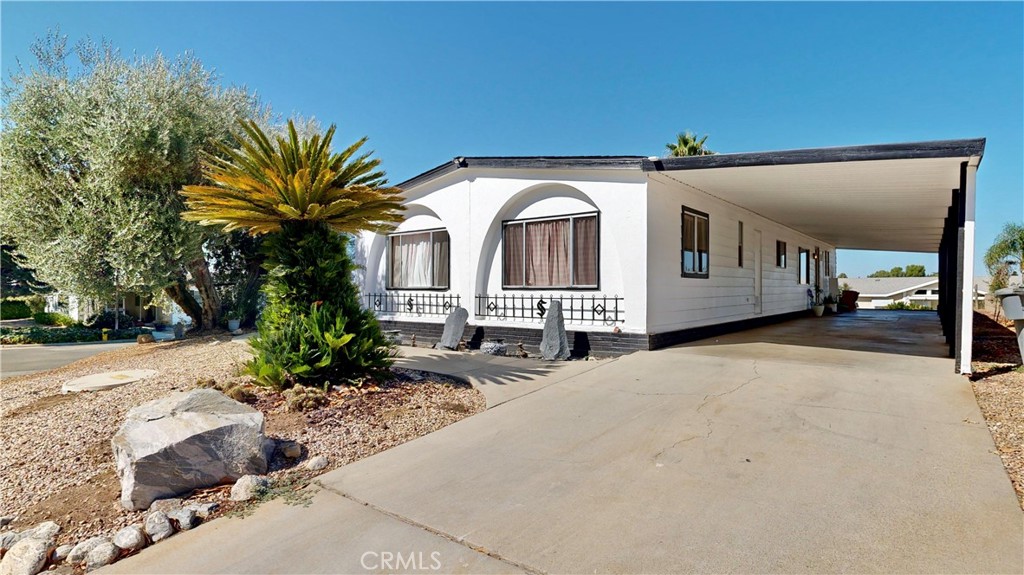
649,252
876,293
137,306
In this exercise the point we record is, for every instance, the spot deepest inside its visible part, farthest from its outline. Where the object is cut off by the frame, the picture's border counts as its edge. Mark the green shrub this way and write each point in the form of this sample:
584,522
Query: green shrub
14,309
907,306
304,349
313,330
51,318
106,319
35,302
16,335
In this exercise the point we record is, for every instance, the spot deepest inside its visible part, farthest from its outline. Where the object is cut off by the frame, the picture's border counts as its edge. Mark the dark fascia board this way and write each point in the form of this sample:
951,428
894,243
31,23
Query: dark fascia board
905,151
527,162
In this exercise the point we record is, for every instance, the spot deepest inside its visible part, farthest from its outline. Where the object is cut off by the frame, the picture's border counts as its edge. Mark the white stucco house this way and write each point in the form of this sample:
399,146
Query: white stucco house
649,252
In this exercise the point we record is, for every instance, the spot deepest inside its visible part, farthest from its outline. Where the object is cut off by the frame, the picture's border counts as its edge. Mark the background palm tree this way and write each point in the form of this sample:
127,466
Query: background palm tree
305,198
687,144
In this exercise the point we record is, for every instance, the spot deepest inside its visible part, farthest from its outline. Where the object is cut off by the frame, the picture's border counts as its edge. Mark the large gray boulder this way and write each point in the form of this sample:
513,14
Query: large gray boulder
554,343
186,441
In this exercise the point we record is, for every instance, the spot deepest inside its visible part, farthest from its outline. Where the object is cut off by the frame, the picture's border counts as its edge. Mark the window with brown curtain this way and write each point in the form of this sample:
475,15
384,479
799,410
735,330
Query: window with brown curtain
695,260
551,253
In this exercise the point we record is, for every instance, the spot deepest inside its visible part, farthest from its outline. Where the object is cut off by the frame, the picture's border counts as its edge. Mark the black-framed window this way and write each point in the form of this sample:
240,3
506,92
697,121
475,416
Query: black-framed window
695,261
419,260
739,245
556,252
804,265
780,253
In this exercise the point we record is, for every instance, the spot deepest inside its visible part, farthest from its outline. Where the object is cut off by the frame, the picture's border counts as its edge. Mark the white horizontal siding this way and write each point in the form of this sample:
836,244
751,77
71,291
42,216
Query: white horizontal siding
727,294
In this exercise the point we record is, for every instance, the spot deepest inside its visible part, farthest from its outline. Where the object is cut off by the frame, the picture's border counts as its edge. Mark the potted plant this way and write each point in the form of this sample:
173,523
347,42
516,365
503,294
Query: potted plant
831,303
234,320
818,306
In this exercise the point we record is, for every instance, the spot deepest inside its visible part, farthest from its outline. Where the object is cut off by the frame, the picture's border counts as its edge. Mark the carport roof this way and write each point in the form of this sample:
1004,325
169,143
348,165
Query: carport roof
876,197
882,197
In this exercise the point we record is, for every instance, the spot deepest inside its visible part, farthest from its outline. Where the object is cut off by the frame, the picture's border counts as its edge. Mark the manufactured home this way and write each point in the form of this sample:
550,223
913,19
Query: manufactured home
647,252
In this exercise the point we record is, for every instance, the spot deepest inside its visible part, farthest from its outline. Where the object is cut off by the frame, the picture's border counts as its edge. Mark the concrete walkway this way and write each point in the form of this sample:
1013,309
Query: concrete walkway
740,454
500,379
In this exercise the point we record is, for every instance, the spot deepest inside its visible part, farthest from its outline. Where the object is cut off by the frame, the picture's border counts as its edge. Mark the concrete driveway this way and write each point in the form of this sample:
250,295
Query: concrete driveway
750,453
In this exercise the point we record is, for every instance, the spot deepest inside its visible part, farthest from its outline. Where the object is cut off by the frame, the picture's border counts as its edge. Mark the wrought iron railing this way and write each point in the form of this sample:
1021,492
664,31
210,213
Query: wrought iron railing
575,308
412,303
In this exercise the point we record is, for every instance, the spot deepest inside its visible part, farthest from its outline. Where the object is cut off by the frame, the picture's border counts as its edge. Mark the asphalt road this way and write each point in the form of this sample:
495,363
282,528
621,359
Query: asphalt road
22,359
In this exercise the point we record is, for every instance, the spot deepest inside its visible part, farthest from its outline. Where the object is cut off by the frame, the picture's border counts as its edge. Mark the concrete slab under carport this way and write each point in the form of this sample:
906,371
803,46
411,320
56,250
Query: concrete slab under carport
742,457
901,332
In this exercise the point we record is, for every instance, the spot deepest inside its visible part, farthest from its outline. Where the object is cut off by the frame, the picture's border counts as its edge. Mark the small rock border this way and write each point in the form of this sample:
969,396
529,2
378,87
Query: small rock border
35,550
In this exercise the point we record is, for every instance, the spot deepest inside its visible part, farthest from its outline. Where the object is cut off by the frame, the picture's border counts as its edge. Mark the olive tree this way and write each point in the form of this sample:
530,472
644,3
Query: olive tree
95,147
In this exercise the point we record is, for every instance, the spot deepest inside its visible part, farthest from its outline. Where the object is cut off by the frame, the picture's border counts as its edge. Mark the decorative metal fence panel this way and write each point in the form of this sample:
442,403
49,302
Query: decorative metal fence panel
412,303
575,308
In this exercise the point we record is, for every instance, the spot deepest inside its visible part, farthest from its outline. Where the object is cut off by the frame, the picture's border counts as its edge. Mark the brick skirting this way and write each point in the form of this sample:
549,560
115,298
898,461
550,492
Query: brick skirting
582,343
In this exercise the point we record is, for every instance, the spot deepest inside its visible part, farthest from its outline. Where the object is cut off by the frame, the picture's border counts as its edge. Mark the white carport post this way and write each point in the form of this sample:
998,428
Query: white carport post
967,279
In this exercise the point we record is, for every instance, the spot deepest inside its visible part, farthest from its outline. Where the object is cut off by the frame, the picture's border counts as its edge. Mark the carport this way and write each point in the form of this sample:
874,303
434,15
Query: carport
913,197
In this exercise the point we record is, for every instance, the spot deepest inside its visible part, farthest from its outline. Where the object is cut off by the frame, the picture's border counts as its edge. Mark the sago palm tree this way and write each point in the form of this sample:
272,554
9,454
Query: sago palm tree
265,183
687,144
305,198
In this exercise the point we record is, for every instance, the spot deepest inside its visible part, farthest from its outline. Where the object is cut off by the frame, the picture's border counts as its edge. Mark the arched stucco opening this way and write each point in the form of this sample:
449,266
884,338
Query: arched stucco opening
541,200
417,217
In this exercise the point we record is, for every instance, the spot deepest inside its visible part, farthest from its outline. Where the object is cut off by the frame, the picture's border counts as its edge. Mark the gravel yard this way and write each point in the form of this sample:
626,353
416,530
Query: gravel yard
998,382
55,449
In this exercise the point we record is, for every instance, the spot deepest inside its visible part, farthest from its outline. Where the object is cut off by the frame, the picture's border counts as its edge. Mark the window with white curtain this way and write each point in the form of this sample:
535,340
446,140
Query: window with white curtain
557,252
418,260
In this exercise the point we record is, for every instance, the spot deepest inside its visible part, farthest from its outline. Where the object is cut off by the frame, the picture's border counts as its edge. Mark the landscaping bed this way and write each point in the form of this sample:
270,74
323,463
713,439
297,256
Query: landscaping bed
998,382
56,452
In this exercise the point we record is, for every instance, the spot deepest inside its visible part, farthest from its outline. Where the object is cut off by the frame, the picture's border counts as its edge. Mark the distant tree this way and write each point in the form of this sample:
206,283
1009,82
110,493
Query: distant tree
94,153
911,271
843,275
1007,250
914,271
687,144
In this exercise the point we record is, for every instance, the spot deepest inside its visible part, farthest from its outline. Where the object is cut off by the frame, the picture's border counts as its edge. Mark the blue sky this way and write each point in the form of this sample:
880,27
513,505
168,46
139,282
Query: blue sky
430,81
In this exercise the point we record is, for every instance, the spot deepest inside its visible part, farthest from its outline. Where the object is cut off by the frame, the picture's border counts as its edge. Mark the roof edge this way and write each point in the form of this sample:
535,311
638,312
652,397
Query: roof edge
902,151
527,162
909,150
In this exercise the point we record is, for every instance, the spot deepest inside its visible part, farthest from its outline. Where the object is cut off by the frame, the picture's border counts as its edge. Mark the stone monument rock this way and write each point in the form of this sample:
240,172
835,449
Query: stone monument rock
453,328
554,343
